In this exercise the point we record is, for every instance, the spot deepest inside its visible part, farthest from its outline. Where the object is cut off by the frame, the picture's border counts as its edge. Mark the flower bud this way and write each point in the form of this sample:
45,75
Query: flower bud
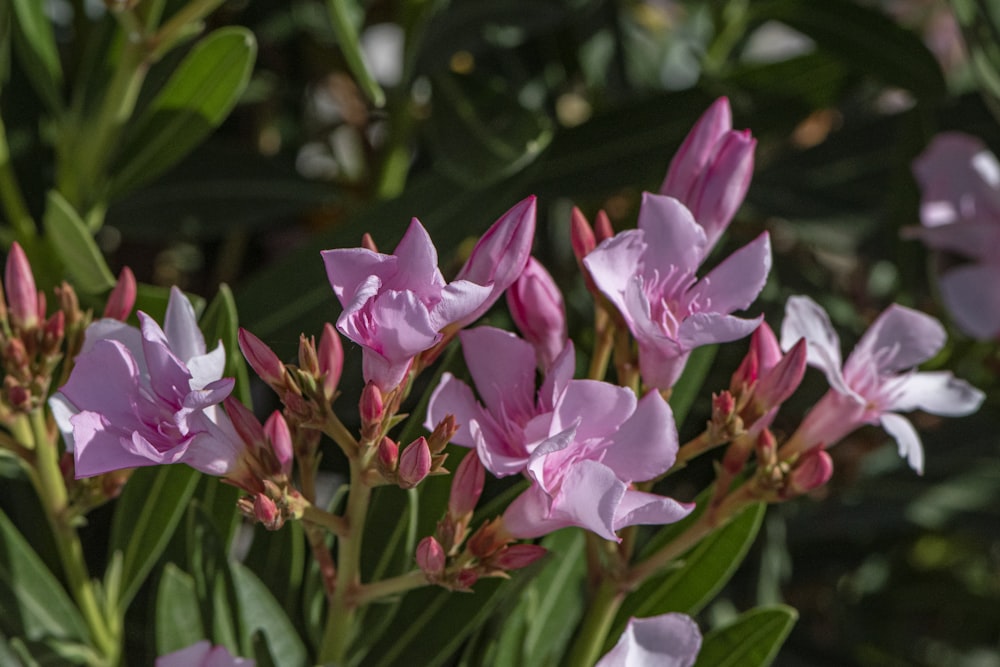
465,579
331,359
431,558
537,308
22,295
766,448
277,432
581,236
370,405
813,470
466,486
781,381
266,512
388,455
53,332
517,556
442,434
368,243
602,227
247,427
308,359
697,150
261,358
68,303
414,463
122,297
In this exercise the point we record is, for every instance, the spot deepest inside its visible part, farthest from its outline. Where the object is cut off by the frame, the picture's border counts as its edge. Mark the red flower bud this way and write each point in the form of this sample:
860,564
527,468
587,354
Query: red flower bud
466,486
122,297
261,358
414,463
431,558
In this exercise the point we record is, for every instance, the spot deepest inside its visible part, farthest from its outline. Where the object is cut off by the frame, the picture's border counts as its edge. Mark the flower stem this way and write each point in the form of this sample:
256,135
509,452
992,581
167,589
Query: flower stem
597,621
392,586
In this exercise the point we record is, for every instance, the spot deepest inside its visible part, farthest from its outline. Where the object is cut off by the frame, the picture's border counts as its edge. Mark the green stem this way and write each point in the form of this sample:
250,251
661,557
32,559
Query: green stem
321,518
593,631
342,612
393,586
603,344
51,488
10,192
185,22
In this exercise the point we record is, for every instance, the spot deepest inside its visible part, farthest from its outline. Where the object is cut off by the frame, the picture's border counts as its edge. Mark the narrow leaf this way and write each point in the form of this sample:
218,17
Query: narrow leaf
752,640
35,46
195,100
347,36
34,603
72,241
146,517
260,614
221,323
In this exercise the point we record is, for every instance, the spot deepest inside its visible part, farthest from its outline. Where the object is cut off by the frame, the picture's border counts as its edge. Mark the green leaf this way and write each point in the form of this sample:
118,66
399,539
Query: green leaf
260,614
73,243
34,604
347,36
35,46
752,640
705,570
689,385
146,516
221,323
178,614
980,23
864,37
194,101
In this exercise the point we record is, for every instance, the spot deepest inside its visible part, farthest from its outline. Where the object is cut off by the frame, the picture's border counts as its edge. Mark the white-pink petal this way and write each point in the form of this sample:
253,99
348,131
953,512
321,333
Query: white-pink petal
938,392
906,438
804,318
898,339
668,640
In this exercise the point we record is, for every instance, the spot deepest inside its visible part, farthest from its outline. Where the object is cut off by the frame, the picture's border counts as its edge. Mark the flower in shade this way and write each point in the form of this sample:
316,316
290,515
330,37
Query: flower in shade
649,275
582,443
203,654
877,381
711,172
960,211
668,640
147,396
395,306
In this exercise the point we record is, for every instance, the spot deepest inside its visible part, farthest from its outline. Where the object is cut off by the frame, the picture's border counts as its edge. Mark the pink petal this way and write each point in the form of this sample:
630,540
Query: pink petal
457,302
613,265
906,438
589,497
98,446
168,376
453,397
672,236
648,509
958,178
646,443
710,328
557,377
528,515
668,640
181,327
416,265
503,370
596,408
735,283
662,364
721,188
804,318
348,268
939,393
698,149
972,295
976,240
898,339
104,380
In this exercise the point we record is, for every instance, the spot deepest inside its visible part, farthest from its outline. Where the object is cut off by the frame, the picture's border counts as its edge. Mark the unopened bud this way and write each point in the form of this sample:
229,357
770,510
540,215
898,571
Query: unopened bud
261,358
812,471
247,427
267,513
16,360
746,374
466,486
537,308
371,408
781,381
18,396
388,455
517,556
414,463
465,579
490,538
69,303
368,243
331,359
431,558
766,448
22,295
602,227
280,437
53,332
581,235
442,434
122,297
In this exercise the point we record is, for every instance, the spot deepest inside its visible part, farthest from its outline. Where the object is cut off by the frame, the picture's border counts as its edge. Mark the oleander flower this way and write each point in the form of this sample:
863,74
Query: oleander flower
667,640
878,380
147,396
396,306
649,274
203,654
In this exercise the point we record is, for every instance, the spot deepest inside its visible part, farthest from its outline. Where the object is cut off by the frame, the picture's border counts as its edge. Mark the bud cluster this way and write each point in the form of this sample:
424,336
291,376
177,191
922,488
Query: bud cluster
422,457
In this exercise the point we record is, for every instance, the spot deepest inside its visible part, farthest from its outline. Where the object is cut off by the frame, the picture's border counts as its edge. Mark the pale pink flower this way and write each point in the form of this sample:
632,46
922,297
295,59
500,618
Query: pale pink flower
581,442
711,172
148,396
649,275
537,308
395,306
668,640
877,381
203,654
960,211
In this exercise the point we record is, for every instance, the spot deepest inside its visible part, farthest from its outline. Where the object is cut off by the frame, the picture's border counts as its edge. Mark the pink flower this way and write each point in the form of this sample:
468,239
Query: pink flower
711,172
649,275
878,379
668,640
395,306
511,421
203,654
537,307
766,378
139,397
581,442
960,212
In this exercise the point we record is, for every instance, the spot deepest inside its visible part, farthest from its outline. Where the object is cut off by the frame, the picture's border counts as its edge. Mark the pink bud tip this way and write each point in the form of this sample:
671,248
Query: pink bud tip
122,297
247,427
388,454
278,433
368,243
466,486
22,295
781,381
431,558
265,511
370,405
517,556
414,463
581,235
723,403
261,358
331,359
813,471
602,227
